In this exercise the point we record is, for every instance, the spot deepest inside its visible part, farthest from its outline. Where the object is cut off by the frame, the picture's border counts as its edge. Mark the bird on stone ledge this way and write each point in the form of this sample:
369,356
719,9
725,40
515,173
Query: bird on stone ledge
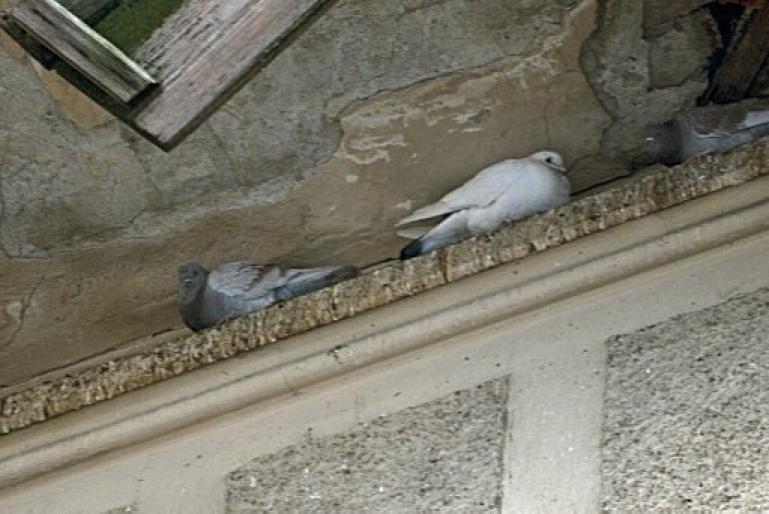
703,130
237,288
509,190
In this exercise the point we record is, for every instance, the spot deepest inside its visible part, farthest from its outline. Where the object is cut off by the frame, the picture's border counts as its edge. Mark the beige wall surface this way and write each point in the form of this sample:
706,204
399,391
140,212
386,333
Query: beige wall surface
376,108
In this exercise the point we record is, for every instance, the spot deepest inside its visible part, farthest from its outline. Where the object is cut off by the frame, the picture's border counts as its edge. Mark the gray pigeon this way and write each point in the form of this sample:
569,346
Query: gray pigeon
704,130
237,288
509,190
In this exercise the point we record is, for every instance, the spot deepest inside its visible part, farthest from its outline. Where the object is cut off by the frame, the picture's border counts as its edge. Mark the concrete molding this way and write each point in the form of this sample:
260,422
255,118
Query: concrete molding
402,327
658,189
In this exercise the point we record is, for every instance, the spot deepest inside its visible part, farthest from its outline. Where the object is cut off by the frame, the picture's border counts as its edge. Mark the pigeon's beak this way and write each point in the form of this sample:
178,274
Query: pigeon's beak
560,168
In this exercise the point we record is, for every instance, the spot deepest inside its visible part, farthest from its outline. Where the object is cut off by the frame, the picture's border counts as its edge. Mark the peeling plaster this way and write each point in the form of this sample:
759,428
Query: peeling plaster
18,312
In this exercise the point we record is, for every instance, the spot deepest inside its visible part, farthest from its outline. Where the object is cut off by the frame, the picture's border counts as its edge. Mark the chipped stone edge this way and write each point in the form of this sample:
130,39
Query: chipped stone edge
659,189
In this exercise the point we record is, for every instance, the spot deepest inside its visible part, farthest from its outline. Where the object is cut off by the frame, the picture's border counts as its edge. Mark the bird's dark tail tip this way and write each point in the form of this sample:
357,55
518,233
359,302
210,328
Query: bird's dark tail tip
412,249
343,273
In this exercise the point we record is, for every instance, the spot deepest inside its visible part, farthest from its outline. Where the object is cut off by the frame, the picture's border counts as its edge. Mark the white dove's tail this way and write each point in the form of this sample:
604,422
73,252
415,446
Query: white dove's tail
430,211
449,231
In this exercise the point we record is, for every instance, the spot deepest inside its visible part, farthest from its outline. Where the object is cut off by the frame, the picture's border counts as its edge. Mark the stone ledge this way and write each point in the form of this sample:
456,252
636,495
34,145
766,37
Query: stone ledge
658,189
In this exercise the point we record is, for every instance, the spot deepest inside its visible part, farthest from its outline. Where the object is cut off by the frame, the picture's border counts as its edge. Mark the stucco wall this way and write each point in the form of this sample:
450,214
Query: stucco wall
376,108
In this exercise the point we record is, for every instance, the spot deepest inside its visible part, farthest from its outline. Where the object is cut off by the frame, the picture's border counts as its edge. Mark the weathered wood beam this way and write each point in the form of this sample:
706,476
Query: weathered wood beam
212,48
76,43
201,56
737,75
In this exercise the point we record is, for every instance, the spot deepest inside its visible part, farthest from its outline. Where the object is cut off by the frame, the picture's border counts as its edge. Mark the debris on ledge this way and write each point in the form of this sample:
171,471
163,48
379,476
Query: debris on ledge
657,189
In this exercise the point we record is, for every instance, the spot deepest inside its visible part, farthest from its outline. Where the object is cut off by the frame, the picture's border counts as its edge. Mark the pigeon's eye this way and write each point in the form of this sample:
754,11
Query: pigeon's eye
549,159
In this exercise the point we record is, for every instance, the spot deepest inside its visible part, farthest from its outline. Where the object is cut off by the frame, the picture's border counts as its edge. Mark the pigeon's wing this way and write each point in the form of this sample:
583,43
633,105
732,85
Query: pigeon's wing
755,112
755,118
245,280
480,191
724,120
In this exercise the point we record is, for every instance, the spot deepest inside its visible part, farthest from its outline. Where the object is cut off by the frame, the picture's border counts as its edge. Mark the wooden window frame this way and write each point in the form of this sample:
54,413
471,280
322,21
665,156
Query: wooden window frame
196,76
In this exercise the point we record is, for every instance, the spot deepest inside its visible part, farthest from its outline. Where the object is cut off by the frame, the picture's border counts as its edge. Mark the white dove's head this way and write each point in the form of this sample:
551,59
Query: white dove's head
550,159
192,279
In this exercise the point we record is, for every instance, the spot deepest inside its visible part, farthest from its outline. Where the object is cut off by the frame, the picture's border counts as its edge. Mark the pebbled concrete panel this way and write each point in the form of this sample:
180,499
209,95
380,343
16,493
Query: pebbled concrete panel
445,455
687,412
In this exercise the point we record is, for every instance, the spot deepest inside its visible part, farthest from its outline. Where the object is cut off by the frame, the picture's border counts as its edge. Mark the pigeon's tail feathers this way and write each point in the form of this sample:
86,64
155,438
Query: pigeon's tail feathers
303,281
413,233
431,211
338,273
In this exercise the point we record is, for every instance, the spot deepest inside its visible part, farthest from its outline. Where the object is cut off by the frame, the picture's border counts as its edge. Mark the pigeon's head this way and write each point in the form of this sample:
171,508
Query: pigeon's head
550,159
192,279
654,144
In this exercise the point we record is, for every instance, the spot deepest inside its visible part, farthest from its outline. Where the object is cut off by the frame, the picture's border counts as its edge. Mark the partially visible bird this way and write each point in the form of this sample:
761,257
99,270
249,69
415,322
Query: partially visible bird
703,130
509,190
237,288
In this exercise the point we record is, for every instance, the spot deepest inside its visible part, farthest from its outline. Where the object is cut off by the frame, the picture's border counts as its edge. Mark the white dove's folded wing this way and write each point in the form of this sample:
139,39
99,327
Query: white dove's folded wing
431,211
480,191
413,233
245,280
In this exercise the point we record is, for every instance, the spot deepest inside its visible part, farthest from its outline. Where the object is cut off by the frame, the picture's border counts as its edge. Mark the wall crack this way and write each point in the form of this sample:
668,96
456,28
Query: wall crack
25,304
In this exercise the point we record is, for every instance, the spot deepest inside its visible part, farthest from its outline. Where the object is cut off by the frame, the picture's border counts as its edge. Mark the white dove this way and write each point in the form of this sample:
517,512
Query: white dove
509,190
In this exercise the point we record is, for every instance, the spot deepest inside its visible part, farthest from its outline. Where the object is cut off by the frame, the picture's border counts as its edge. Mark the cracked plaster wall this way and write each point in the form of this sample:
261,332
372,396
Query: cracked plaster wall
376,108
